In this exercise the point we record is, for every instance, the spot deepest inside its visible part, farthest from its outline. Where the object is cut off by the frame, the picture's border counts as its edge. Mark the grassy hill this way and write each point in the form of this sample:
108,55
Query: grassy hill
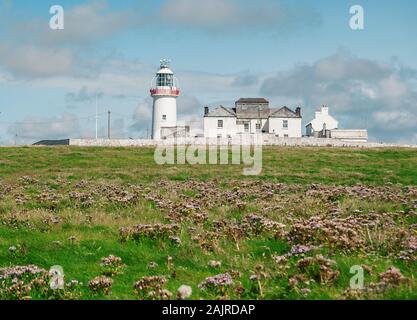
293,232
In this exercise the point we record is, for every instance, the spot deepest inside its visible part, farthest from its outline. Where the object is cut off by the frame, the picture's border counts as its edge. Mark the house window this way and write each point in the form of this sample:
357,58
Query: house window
258,127
285,124
285,135
246,127
164,117
220,124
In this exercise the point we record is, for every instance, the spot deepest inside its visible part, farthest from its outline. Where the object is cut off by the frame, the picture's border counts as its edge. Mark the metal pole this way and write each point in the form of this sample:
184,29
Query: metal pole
108,124
96,116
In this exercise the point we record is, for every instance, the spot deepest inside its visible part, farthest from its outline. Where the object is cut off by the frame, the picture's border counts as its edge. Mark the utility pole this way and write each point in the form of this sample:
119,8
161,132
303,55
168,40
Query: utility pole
108,124
96,116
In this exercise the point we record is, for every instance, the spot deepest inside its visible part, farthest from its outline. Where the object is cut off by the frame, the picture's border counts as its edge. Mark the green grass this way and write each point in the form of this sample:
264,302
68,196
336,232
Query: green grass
288,165
110,170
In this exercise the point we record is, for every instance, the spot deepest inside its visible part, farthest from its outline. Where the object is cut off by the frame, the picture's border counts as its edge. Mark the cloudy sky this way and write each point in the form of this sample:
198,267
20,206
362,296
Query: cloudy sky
298,52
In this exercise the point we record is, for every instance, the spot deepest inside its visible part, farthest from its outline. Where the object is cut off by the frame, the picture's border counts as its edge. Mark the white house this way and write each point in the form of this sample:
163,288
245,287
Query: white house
252,115
323,121
325,126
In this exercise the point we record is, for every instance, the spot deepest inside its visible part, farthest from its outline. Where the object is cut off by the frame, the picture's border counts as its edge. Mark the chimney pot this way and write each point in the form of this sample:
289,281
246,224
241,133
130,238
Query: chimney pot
206,111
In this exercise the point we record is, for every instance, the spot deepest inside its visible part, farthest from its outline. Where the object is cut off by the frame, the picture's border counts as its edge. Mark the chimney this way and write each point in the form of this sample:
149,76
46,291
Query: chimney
206,111
298,111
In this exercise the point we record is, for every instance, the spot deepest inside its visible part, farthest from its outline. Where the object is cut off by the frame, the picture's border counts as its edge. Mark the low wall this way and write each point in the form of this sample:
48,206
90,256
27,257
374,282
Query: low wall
250,140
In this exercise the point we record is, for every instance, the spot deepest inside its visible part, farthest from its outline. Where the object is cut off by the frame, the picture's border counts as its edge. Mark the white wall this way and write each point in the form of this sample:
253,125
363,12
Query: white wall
163,105
357,135
293,130
211,129
231,128
322,117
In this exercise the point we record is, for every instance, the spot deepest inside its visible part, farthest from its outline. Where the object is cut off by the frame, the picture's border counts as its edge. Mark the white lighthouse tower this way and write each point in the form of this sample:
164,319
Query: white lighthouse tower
164,92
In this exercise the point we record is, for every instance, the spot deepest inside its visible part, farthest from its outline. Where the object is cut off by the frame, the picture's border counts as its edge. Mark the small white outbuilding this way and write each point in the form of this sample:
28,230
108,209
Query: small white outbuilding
325,126
322,122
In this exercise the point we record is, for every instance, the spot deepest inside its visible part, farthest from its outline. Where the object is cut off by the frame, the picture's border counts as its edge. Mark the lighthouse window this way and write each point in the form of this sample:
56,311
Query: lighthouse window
164,117
165,80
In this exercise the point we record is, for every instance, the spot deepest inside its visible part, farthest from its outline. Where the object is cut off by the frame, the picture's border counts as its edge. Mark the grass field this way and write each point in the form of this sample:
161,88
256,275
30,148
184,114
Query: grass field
293,232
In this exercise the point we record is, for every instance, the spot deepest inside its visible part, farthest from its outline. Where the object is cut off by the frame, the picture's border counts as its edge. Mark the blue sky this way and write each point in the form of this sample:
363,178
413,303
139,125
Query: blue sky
291,52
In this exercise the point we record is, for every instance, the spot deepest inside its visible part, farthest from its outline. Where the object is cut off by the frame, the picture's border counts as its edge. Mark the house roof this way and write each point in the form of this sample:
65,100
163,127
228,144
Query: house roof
252,100
283,112
221,112
253,113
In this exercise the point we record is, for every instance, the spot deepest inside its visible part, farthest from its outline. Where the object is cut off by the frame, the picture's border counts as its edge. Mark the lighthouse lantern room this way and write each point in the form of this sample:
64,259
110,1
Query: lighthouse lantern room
164,91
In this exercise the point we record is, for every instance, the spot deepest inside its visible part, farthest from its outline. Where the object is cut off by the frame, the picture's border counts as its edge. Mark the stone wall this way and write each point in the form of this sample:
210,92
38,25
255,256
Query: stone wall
267,140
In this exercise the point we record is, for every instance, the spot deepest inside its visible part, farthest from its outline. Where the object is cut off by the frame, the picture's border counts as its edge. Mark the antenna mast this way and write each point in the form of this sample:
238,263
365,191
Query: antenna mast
96,116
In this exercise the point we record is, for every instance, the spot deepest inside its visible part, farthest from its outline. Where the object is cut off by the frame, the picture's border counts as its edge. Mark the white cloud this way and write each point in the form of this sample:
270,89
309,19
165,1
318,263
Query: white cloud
38,128
393,87
396,119
31,61
94,20
30,49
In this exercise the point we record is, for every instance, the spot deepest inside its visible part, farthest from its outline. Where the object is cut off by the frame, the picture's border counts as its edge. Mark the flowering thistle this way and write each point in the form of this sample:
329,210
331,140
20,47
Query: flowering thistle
217,284
100,284
300,249
320,268
27,282
148,231
392,277
152,288
175,240
112,265
279,259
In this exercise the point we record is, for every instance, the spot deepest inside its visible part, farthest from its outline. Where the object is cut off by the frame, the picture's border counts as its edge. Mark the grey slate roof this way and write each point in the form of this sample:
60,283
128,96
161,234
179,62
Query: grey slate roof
252,113
252,100
64,142
284,112
221,112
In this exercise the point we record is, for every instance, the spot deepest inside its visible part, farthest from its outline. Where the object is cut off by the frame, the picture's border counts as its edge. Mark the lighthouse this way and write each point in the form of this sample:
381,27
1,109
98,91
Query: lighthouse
164,91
